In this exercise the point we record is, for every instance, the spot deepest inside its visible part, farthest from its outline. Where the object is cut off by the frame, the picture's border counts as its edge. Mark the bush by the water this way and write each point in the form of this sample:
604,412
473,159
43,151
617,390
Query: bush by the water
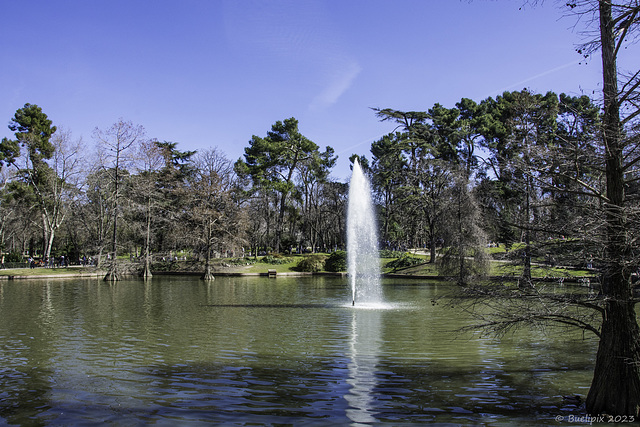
336,262
182,265
311,263
388,253
276,259
406,260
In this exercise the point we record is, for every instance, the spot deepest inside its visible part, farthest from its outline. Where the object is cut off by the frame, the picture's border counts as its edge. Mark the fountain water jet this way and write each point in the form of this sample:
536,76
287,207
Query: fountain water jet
362,241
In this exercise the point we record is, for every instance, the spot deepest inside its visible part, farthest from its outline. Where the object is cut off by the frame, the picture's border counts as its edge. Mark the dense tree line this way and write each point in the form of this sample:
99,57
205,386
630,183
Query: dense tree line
521,168
140,196
516,161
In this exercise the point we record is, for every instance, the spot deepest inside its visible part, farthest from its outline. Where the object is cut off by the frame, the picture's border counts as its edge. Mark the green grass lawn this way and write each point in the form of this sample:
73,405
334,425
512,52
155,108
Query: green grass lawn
261,267
44,271
504,269
417,270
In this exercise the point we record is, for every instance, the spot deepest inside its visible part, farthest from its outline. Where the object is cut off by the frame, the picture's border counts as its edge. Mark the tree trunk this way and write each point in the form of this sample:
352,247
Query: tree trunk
146,271
615,389
112,272
208,275
432,246
462,276
49,244
45,238
280,223
526,270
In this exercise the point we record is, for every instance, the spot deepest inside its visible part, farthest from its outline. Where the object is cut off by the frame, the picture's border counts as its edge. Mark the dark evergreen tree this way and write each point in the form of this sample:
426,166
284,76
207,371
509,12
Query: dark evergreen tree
272,163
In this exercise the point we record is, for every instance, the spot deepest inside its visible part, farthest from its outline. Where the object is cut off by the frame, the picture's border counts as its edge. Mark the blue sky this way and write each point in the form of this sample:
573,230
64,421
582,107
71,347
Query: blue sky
212,73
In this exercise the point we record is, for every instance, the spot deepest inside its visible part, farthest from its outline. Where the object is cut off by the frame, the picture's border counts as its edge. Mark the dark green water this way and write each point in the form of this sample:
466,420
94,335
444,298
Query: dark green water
240,351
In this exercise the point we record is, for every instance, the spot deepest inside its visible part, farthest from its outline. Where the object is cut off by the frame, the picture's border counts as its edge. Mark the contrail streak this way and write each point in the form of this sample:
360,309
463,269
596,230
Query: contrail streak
537,76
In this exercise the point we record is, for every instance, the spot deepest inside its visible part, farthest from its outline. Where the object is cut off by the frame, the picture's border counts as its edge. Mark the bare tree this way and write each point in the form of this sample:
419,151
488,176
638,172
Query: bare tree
616,383
116,148
148,162
5,212
214,217
63,186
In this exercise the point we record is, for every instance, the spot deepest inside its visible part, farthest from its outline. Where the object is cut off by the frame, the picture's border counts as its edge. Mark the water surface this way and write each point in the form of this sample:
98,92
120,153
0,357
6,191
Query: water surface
180,351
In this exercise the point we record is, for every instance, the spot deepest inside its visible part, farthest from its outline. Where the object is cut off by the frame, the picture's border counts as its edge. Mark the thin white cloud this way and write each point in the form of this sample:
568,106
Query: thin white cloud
341,77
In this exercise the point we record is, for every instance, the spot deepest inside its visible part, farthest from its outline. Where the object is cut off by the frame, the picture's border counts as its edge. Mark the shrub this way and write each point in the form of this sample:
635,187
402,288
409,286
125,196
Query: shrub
406,260
189,265
13,256
275,259
311,263
337,261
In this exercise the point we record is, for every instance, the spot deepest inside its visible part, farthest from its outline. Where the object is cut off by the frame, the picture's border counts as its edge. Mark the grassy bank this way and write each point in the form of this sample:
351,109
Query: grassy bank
40,272
288,264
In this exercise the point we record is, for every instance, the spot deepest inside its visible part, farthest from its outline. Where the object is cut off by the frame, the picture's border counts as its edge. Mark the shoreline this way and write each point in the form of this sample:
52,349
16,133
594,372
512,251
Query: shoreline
100,274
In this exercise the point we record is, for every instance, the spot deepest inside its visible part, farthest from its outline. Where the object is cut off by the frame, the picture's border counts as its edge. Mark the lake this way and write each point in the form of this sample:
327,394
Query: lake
254,350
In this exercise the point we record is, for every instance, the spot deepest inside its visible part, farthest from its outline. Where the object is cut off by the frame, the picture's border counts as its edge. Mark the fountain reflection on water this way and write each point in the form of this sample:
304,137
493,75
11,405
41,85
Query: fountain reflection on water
362,243
364,358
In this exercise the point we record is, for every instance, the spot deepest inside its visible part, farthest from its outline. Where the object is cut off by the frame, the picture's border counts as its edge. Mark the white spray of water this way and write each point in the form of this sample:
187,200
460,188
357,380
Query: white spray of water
362,241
